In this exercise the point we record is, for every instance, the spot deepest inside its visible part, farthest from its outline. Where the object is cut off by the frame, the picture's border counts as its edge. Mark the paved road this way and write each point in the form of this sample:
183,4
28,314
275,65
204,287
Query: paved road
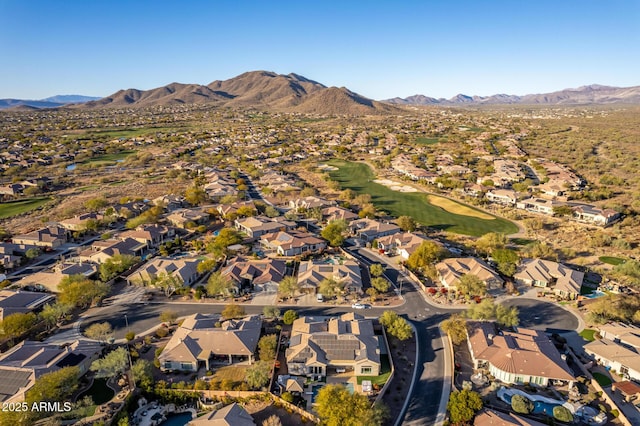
433,381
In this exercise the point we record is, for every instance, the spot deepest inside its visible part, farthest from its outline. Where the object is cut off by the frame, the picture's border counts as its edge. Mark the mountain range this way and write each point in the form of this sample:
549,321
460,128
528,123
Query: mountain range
592,94
295,93
51,102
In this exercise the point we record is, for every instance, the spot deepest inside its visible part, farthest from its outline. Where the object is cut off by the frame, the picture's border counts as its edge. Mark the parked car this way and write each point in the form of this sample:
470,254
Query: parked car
360,306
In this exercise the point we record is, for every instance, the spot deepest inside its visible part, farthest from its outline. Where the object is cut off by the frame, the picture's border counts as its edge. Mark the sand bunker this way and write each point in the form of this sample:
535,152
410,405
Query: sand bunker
395,186
327,167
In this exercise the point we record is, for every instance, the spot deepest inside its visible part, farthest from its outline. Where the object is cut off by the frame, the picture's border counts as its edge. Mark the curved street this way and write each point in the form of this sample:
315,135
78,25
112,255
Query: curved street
427,403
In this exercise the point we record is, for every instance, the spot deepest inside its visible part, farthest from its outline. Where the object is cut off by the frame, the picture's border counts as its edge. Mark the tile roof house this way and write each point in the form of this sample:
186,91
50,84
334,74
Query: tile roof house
318,345
369,229
186,269
79,222
488,417
152,235
525,356
180,218
257,226
21,365
312,273
403,244
292,243
311,202
619,348
231,415
538,205
502,196
12,302
450,270
563,281
262,273
51,236
198,342
597,216
50,279
337,213
101,251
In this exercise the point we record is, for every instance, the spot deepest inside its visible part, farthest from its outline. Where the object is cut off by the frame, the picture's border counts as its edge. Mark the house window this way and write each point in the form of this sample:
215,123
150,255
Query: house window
186,366
167,365
624,370
365,370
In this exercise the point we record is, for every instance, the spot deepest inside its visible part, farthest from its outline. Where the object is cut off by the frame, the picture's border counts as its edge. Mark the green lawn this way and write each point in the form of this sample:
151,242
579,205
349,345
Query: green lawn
427,141
13,208
588,334
602,379
234,373
108,159
611,260
359,178
385,372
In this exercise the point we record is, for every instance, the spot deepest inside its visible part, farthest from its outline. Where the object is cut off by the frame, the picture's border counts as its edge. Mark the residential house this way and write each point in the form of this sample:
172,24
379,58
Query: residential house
181,218
450,270
265,274
80,222
52,237
508,197
100,250
337,213
488,417
231,415
226,210
292,243
594,215
369,229
258,226
24,363
563,281
309,203
50,279
312,272
170,202
538,205
525,356
12,302
8,256
621,358
152,235
184,269
403,244
319,347
198,342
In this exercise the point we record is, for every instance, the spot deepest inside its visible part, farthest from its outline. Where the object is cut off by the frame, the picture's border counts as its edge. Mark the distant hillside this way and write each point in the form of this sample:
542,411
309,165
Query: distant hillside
51,102
258,89
593,94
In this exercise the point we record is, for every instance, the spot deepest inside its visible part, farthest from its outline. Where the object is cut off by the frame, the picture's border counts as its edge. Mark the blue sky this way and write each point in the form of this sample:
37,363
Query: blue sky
379,49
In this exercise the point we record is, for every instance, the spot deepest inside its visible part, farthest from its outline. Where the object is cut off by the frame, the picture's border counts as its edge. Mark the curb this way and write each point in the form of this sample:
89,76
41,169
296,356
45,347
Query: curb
403,411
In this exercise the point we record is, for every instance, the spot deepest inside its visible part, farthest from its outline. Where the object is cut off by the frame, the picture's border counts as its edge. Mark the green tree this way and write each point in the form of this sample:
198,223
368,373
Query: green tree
427,253
195,195
258,375
58,385
219,285
168,316
267,346
372,293
289,317
506,259
95,204
130,336
206,265
225,238
542,251
521,404
507,317
367,210
336,406
380,284
77,290
17,324
169,283
271,211
563,211
395,325
115,265
32,253
562,413
112,364
463,406
288,287
233,310
330,287
101,331
456,327
490,242
334,232
53,313
407,223
271,312
376,269
246,211
143,374
471,285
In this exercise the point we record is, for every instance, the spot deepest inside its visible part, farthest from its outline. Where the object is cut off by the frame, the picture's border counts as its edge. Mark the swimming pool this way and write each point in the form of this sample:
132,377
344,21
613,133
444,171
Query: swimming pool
177,419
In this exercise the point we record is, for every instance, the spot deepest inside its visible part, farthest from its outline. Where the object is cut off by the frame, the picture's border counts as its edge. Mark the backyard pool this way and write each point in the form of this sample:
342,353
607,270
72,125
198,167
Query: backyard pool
177,419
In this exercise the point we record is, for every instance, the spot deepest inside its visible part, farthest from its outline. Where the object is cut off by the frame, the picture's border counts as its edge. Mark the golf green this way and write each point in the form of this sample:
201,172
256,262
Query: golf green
359,177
